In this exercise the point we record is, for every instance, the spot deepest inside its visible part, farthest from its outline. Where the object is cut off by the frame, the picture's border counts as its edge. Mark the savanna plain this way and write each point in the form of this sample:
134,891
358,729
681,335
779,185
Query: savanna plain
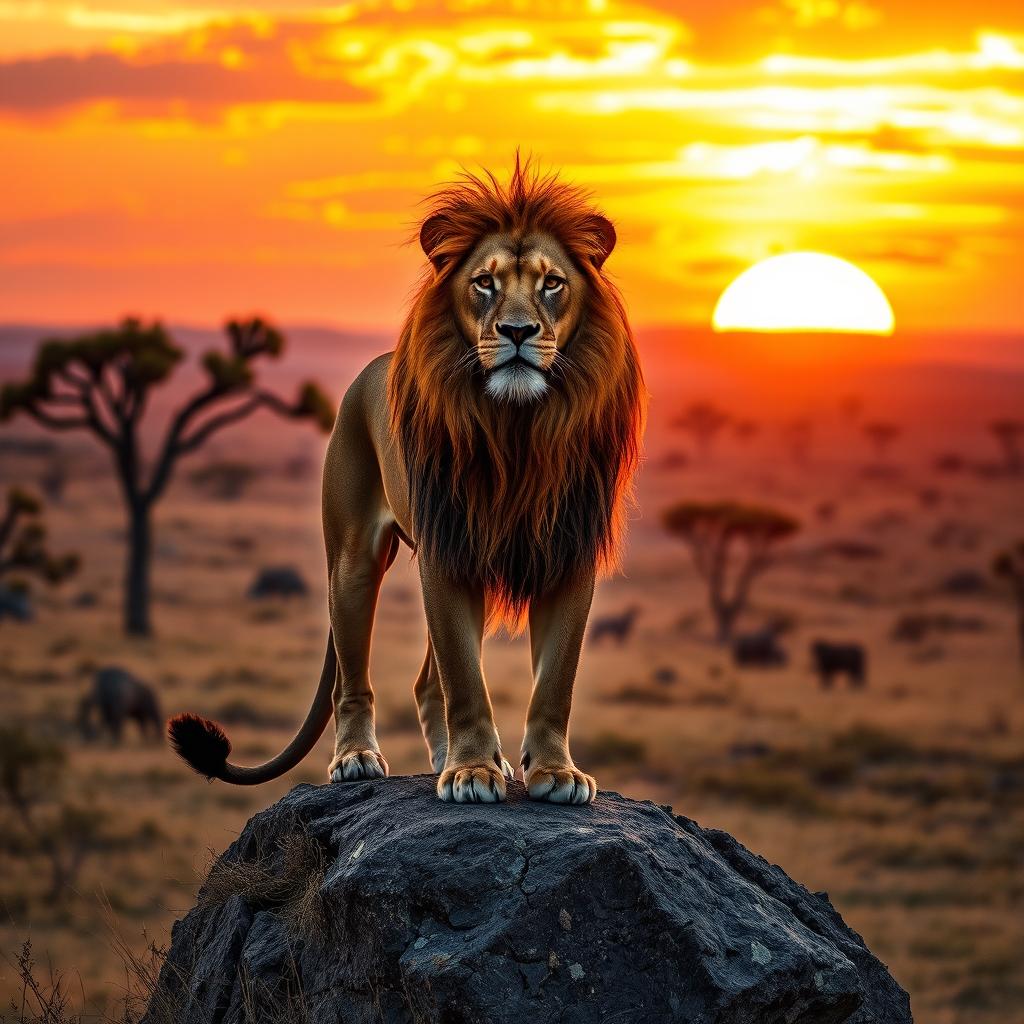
903,798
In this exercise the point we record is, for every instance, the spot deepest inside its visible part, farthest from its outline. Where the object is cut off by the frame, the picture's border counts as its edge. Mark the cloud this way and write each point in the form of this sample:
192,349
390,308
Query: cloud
49,83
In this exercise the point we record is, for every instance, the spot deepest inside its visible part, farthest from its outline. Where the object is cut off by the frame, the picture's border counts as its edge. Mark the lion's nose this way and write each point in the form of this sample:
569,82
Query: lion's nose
518,334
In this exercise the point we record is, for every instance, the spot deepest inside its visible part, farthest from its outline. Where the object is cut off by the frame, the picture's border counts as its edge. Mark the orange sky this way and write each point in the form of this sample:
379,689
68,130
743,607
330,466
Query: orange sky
204,157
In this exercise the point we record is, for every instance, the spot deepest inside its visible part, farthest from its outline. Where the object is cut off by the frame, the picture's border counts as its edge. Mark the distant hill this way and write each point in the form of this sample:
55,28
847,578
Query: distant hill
949,381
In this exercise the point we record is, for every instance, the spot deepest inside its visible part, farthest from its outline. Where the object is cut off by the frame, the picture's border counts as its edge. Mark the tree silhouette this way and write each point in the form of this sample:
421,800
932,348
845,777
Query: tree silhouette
1009,434
23,541
1009,566
704,421
881,434
102,382
731,544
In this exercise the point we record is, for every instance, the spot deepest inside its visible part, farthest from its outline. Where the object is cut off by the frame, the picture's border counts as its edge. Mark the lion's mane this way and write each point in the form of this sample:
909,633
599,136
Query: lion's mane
518,498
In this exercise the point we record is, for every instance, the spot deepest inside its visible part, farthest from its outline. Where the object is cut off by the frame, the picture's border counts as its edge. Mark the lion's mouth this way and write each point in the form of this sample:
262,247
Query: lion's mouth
515,361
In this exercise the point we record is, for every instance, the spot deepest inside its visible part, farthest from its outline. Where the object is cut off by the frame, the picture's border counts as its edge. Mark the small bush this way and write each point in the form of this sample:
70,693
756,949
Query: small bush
610,748
913,627
634,693
756,784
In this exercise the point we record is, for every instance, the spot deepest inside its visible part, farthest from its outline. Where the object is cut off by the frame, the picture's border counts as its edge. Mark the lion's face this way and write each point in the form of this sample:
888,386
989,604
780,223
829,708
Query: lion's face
518,301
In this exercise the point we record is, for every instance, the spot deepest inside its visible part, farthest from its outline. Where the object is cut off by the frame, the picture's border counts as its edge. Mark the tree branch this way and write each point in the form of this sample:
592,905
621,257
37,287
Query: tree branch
83,389
56,422
177,443
169,449
260,400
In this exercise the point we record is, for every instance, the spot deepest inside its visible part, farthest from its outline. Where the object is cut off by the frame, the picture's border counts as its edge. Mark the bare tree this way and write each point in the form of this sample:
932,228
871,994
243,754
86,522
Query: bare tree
881,434
102,382
1009,434
704,421
731,544
23,547
1009,565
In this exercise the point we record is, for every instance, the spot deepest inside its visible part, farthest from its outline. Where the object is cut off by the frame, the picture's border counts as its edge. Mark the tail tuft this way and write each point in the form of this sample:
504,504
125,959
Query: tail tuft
201,744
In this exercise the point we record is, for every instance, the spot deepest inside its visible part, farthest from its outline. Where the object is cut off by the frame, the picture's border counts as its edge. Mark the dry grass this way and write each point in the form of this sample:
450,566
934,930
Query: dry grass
904,801
287,880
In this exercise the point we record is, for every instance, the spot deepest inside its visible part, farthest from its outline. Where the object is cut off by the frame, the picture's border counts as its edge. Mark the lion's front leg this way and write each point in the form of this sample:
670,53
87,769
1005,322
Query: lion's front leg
558,621
474,770
355,578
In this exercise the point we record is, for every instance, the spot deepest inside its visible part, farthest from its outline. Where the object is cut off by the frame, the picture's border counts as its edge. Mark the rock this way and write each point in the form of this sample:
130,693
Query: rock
964,583
15,604
665,675
278,581
374,902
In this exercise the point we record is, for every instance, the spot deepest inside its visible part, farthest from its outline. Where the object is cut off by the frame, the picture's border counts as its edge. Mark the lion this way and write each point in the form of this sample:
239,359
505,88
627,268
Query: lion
498,441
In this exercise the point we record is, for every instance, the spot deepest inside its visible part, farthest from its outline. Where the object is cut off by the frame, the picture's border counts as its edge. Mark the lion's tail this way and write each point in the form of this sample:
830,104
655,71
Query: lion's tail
205,747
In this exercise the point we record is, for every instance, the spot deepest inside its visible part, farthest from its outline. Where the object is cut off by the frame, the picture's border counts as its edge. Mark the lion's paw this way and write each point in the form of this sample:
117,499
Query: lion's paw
473,784
358,764
560,785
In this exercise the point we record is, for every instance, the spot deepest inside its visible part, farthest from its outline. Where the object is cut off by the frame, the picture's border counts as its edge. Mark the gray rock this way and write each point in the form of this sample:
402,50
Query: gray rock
406,910
15,604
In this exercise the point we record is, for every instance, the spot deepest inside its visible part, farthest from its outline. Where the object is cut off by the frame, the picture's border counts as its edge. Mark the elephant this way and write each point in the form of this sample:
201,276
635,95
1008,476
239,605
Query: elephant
117,696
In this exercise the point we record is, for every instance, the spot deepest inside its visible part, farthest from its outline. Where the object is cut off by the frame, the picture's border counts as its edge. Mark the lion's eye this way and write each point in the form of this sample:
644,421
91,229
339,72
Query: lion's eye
552,283
484,282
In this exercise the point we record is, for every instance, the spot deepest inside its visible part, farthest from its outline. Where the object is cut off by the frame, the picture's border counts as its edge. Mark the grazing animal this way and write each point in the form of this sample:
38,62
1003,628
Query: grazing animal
760,649
831,660
499,441
615,627
117,696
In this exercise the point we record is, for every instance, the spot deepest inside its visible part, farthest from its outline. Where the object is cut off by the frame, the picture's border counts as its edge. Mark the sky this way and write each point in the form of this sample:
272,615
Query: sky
201,158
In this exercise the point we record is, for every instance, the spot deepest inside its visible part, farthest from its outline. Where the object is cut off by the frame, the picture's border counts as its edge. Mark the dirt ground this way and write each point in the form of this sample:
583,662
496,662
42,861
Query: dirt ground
903,800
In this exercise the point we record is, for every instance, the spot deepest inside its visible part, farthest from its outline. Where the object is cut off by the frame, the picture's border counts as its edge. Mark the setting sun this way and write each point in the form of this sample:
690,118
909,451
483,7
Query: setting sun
804,291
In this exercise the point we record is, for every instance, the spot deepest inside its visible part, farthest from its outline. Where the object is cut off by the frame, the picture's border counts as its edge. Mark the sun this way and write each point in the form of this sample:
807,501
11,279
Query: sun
804,291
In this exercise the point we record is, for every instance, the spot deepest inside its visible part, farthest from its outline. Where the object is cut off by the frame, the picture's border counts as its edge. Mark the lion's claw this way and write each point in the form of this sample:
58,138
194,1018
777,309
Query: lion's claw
358,764
478,783
560,785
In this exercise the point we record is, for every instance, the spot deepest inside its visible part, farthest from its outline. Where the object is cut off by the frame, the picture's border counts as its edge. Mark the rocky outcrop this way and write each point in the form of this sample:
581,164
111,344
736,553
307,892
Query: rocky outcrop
370,902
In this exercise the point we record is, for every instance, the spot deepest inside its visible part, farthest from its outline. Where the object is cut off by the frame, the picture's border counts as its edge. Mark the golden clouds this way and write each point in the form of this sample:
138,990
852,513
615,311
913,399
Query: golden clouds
714,138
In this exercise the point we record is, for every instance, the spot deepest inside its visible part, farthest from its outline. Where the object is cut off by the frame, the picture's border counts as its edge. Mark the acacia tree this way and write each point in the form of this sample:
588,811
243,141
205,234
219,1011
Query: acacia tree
102,382
704,421
881,434
23,541
1009,565
1009,434
732,544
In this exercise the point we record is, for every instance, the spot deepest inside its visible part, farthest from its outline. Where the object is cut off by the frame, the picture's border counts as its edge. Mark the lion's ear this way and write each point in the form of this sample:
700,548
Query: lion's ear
432,234
605,232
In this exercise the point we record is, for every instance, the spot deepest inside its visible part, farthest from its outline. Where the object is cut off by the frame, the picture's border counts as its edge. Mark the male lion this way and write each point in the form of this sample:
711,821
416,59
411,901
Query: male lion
498,441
